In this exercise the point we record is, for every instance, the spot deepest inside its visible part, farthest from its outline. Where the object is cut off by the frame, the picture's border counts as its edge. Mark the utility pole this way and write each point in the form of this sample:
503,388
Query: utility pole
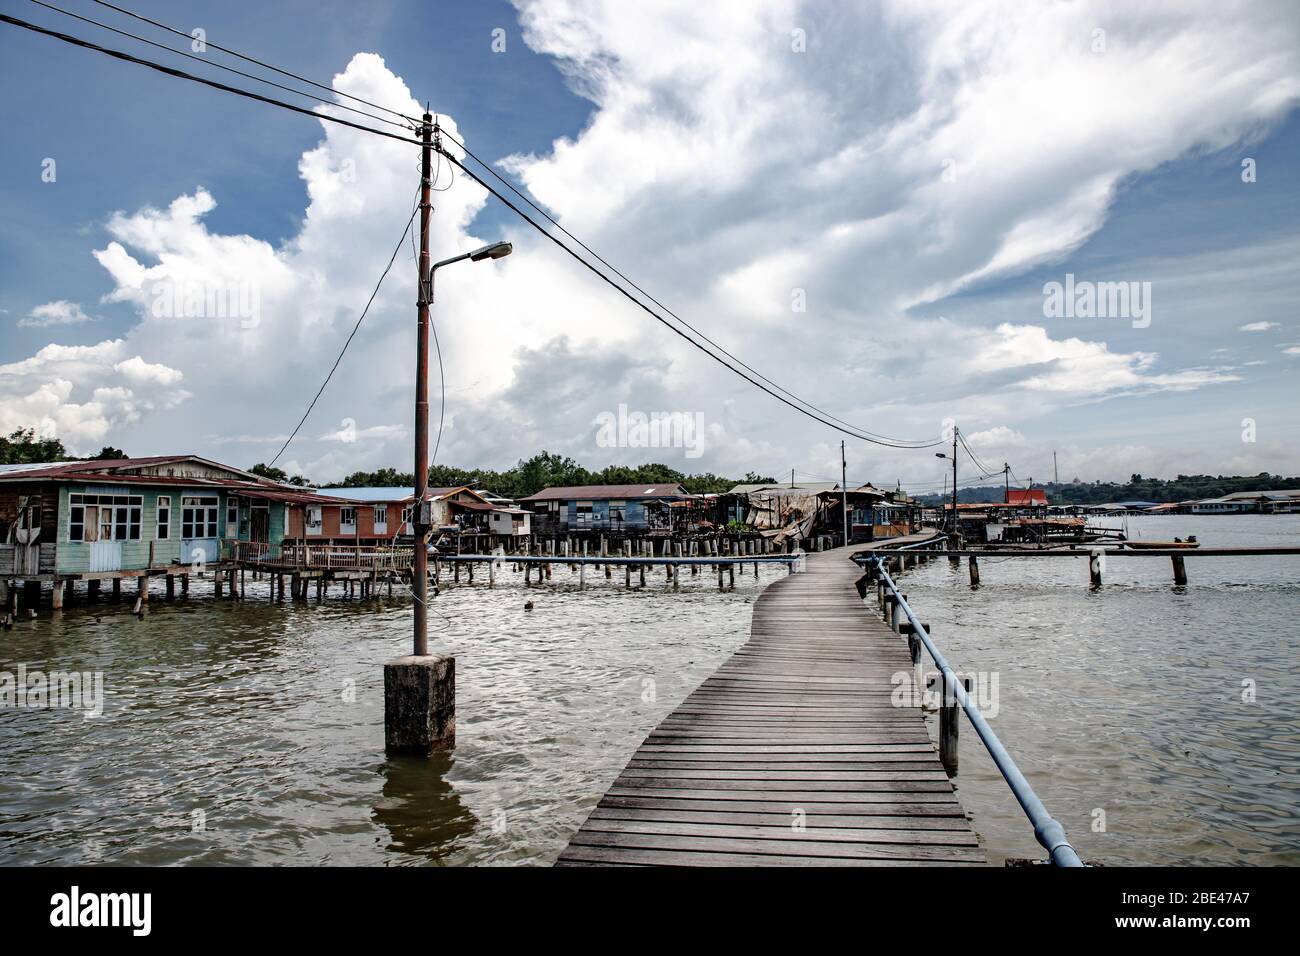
955,434
420,690
791,477
844,493
1006,483
420,559
1056,475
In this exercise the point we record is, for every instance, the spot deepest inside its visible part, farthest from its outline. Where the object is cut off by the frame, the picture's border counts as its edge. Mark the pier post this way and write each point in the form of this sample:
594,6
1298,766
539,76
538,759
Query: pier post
185,585
974,571
92,589
171,587
419,703
948,725
56,595
117,589
1094,568
1180,570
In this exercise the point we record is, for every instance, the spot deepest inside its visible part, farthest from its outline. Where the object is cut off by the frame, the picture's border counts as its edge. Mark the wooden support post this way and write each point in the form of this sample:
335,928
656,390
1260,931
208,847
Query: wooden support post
185,585
56,595
949,723
1180,570
216,584
171,587
731,576
142,588
117,589
492,574
92,590
582,571
627,575
1094,568
974,571
69,591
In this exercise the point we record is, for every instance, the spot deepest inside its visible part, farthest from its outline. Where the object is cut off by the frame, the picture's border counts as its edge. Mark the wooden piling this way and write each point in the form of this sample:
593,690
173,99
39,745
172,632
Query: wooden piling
1180,569
974,572
949,724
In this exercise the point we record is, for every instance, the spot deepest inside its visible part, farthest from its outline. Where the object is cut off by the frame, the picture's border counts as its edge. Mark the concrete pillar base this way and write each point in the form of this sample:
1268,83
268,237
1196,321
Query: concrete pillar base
419,704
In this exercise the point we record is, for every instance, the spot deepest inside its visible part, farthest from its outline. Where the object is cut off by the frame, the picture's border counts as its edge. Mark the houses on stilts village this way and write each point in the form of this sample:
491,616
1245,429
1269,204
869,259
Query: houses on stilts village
79,527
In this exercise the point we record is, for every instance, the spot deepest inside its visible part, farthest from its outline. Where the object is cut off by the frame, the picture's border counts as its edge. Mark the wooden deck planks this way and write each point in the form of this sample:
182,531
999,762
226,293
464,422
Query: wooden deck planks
791,754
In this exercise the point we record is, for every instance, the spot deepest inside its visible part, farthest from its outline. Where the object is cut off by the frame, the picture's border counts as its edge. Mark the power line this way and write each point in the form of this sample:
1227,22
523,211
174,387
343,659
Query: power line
351,335
819,416
898,443
850,431
220,66
181,74
249,59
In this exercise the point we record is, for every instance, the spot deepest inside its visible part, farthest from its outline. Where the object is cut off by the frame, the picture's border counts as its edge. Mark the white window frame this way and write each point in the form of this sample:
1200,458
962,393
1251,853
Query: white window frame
313,520
163,518
381,519
203,516
346,526
232,508
115,517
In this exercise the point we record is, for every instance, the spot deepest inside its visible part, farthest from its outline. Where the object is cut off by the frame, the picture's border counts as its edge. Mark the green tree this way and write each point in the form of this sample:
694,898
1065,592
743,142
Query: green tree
22,447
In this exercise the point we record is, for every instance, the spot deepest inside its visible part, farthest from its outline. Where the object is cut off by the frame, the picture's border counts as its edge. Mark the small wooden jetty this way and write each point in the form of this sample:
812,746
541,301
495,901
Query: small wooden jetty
791,753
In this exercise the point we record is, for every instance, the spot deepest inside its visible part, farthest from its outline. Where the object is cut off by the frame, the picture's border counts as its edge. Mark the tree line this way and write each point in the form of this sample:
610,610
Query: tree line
23,446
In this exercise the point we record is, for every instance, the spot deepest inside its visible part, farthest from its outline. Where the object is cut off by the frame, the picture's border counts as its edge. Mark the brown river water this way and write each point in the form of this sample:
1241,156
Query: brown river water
252,733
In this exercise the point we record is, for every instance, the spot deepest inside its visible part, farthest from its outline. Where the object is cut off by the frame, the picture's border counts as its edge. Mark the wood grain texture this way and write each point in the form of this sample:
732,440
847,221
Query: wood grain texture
791,754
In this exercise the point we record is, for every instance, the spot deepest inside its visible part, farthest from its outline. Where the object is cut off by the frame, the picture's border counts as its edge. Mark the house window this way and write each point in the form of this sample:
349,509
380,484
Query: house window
381,519
199,516
104,517
164,529
582,514
616,512
313,519
232,517
347,520
77,513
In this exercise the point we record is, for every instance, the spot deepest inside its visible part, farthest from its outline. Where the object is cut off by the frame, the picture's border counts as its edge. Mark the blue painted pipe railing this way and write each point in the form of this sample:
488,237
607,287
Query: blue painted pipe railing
1047,829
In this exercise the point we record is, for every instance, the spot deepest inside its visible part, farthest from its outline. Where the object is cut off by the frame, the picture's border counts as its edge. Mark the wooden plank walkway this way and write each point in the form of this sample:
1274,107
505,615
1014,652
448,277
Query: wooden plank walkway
791,754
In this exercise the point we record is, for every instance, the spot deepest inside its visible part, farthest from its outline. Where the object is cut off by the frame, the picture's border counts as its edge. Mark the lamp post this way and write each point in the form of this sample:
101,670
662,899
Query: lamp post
423,515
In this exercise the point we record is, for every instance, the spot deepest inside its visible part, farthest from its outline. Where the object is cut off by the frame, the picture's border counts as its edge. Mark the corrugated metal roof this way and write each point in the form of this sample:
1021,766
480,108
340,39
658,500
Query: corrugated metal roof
394,493
571,492
776,488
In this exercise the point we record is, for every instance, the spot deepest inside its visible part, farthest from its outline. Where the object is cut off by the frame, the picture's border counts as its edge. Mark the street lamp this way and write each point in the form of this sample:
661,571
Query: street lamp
423,518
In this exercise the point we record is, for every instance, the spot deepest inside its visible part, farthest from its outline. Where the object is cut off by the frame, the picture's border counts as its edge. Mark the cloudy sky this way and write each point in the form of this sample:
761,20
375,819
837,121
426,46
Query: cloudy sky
864,202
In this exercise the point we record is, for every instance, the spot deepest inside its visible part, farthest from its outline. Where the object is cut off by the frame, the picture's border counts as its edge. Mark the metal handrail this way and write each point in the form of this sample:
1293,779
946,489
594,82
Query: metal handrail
1047,830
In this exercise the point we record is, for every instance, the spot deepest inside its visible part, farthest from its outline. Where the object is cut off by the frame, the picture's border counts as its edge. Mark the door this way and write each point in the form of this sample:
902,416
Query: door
26,535
199,541
259,528
105,548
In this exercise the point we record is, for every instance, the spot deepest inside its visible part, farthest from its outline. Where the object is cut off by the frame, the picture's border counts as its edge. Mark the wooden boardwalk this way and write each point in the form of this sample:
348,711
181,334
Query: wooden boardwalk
791,754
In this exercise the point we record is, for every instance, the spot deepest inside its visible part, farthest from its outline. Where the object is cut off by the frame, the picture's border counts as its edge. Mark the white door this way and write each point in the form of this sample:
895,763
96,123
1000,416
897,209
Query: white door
106,549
